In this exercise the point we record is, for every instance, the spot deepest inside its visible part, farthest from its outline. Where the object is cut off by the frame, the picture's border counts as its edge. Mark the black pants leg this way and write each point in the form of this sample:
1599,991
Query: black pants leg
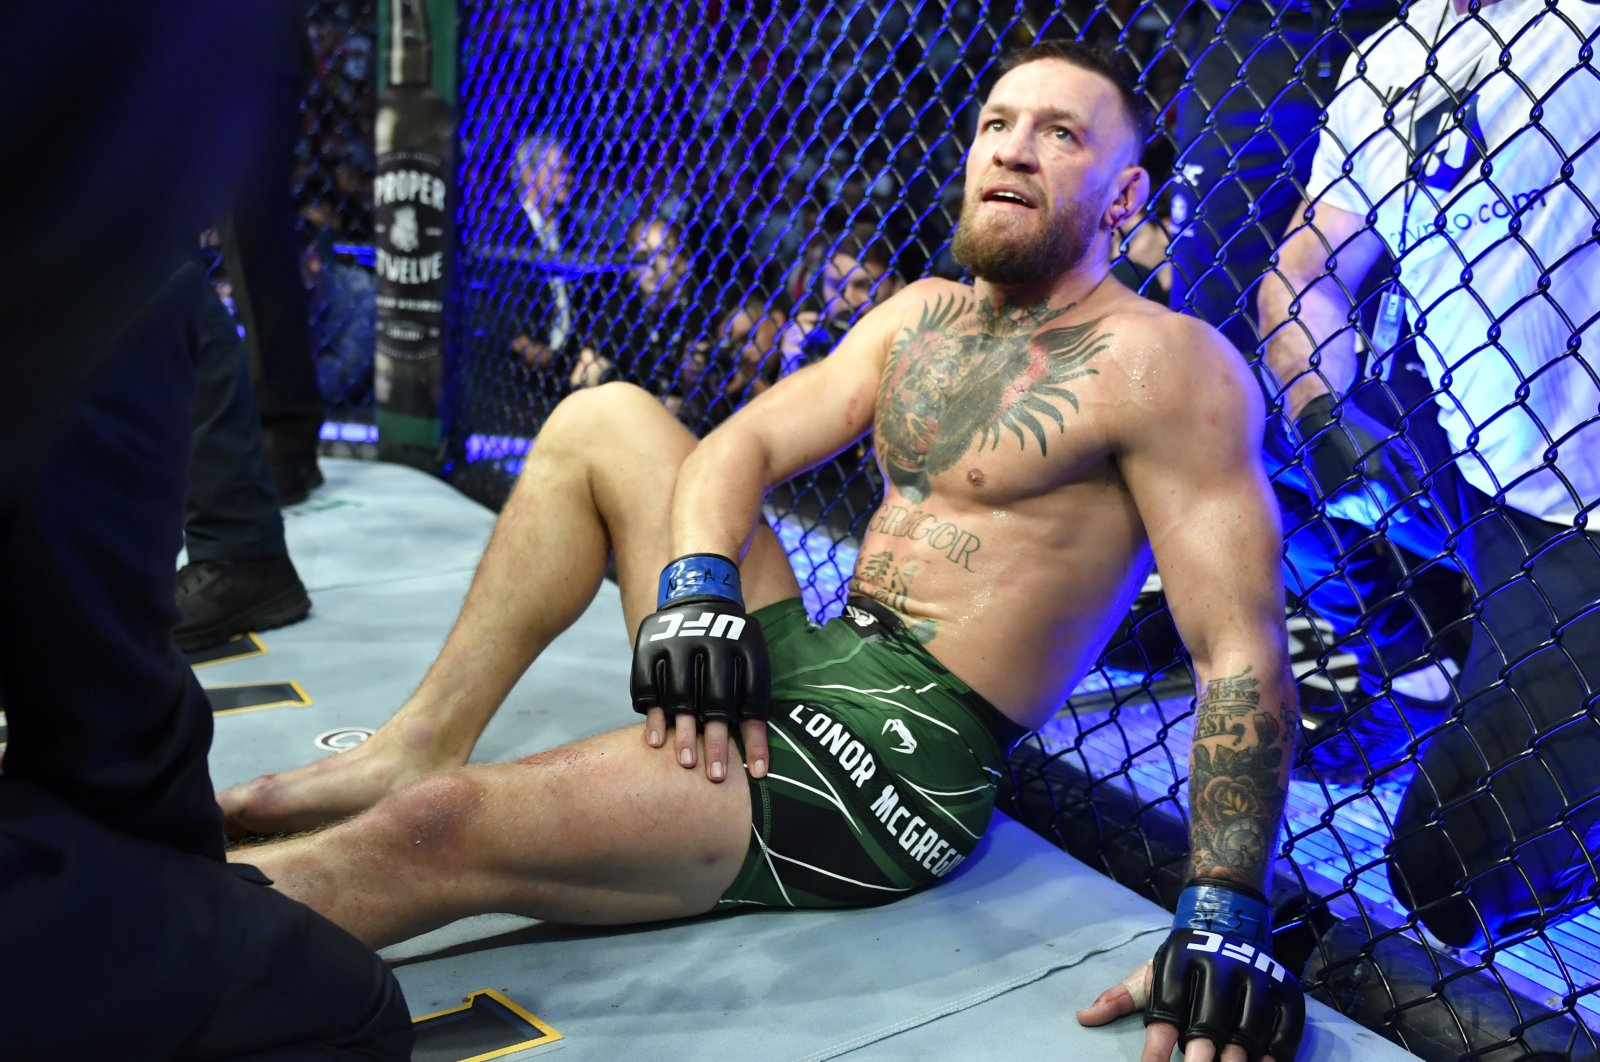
233,506
262,254
120,948
1497,832
101,710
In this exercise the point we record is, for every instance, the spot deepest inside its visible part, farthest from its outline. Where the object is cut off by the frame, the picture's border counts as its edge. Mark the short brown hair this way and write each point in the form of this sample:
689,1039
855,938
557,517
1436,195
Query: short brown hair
1115,69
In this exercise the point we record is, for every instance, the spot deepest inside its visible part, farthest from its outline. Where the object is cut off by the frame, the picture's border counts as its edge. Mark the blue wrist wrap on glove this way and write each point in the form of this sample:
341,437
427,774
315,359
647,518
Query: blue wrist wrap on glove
1234,910
700,575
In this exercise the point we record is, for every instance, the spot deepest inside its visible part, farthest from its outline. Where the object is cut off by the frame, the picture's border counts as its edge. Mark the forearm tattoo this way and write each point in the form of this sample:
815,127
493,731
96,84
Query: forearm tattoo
1238,779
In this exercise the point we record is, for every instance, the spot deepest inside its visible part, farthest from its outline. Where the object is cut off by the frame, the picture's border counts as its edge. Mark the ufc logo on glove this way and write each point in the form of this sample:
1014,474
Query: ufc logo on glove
1213,943
698,652
706,624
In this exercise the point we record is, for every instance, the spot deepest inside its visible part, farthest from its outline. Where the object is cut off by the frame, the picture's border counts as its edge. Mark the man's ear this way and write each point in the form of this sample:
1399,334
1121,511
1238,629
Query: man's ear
1133,191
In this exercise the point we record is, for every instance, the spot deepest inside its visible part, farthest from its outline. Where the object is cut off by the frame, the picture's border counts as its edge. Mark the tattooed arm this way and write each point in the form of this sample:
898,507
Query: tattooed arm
1239,767
1189,451
799,422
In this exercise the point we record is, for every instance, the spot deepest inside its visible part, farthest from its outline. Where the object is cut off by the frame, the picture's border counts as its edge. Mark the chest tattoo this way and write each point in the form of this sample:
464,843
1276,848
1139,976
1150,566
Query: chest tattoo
963,377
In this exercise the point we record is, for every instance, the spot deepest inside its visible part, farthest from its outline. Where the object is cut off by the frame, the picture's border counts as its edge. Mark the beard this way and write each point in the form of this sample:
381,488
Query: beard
1013,255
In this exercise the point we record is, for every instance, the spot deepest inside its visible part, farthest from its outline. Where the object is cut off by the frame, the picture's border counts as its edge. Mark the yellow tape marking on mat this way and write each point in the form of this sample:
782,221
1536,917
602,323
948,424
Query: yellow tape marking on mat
547,1035
296,697
243,647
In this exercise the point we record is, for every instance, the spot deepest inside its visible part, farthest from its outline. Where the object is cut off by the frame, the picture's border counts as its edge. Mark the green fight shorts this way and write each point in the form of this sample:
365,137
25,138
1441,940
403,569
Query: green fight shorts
883,770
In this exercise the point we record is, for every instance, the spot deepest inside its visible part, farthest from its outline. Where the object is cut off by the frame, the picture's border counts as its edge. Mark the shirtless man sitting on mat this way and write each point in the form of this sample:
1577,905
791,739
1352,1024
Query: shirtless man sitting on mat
1042,433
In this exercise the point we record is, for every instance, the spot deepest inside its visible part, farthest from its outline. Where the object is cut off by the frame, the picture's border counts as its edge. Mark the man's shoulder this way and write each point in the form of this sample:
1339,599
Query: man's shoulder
1142,328
929,291
1417,26
1386,58
1174,358
931,302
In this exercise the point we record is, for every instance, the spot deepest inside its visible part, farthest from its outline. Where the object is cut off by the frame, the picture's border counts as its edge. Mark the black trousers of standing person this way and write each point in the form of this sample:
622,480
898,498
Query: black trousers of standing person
1246,135
1498,829
233,511
125,934
262,255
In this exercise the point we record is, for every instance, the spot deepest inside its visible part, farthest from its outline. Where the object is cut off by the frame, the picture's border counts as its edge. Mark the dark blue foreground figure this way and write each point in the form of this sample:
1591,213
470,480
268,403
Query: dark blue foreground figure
124,934
111,873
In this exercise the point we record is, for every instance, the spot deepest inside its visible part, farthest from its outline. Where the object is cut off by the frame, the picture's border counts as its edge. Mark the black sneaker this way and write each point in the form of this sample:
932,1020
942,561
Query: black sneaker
221,599
1379,735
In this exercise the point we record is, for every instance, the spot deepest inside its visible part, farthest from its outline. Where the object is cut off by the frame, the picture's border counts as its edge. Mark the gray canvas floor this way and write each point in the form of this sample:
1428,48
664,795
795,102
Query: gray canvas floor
991,964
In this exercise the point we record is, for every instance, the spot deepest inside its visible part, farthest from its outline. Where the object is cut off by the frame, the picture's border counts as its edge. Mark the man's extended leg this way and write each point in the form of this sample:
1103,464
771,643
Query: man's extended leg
603,832
599,478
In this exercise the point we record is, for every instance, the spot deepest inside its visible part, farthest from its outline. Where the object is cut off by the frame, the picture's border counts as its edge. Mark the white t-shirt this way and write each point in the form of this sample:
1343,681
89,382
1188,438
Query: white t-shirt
1508,92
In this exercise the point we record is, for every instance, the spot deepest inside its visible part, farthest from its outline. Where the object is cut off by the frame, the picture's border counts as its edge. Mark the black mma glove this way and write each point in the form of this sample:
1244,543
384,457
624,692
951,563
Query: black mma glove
1347,453
1215,980
701,652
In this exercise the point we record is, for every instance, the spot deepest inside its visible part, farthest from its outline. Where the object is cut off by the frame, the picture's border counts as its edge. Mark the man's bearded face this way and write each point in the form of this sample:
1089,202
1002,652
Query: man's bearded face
1015,249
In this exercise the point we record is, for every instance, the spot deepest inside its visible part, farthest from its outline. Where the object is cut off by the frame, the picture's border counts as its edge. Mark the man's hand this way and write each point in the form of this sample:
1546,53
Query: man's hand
589,370
1123,998
1363,470
1213,987
700,659
536,354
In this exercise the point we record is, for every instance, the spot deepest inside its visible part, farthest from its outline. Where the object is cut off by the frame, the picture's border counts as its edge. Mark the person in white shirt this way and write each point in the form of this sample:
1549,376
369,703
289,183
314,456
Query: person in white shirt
543,175
1465,141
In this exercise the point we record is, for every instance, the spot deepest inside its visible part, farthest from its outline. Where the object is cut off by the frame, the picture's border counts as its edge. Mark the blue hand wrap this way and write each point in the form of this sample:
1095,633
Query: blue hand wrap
700,575
1229,909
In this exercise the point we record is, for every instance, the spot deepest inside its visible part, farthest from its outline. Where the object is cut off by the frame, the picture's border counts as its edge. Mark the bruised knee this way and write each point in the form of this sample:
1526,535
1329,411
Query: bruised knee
433,817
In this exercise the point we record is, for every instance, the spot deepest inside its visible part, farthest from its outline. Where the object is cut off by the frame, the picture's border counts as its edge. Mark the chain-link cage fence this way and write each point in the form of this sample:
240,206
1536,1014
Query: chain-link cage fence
326,206
331,184
701,199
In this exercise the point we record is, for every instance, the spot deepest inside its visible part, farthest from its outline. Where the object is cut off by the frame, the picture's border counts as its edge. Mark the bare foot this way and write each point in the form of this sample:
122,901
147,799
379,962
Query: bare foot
331,789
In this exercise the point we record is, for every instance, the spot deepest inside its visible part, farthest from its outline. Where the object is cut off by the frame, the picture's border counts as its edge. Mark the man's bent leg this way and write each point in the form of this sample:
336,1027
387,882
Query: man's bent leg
1495,833
603,832
598,478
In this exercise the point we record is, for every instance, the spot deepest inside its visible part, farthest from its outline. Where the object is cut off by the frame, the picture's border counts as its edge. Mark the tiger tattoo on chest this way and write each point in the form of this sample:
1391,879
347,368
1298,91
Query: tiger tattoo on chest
967,376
